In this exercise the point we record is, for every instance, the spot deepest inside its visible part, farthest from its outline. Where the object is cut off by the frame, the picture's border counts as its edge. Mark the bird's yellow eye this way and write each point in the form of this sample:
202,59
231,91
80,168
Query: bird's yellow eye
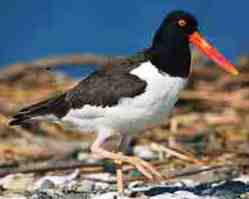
182,23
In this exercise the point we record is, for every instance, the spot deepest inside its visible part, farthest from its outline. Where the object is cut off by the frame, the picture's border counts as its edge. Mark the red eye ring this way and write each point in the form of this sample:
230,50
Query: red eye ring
182,23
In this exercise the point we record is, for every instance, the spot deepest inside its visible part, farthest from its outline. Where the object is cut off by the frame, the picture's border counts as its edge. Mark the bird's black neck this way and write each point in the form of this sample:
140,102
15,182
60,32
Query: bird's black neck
170,53
175,62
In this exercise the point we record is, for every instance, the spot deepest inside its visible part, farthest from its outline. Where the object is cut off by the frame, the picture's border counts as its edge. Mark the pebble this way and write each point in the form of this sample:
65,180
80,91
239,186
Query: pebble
110,195
144,152
57,180
181,195
16,182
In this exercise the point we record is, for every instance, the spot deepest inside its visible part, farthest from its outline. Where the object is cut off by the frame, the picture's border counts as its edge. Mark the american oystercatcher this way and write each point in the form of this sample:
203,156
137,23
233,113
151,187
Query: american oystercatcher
138,93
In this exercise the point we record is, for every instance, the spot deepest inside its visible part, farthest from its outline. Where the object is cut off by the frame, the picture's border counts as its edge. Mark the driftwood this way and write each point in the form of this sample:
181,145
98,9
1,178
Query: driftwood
52,166
92,168
55,62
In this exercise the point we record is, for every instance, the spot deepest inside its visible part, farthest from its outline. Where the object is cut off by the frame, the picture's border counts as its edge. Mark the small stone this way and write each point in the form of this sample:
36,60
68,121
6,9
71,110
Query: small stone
110,195
13,196
145,152
58,180
244,196
47,184
82,187
17,182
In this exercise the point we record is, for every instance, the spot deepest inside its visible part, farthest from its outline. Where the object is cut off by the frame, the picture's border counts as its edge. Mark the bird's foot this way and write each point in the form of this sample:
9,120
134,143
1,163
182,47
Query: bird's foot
142,166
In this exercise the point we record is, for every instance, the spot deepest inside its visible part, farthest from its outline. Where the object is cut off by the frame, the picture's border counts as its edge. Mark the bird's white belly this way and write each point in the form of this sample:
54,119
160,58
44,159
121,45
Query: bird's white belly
132,115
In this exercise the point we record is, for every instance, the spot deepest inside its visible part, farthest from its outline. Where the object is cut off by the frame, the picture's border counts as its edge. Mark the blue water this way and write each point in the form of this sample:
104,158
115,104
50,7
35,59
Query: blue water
33,29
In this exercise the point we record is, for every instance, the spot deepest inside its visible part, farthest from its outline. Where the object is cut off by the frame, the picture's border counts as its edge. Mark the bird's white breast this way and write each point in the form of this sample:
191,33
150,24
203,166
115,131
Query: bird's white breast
134,114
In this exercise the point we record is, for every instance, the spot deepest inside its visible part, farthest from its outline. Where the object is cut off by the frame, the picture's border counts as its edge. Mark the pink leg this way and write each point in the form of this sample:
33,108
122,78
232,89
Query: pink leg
142,166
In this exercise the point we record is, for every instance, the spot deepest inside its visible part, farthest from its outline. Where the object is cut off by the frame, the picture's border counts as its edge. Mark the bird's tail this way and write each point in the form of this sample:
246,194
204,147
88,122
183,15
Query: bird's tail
56,106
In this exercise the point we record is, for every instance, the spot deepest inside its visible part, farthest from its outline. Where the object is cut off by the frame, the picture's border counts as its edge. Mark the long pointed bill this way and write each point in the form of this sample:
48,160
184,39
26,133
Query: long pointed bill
212,53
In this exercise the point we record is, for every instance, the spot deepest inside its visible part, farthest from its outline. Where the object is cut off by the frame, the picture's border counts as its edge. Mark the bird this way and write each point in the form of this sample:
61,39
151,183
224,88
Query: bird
137,93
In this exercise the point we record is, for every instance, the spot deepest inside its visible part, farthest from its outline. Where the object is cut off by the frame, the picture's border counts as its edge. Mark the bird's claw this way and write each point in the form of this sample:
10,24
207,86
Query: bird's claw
145,168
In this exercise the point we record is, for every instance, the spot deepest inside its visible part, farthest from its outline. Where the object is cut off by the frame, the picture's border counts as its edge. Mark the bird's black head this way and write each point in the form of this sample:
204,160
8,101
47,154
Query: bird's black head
176,28
170,50
170,47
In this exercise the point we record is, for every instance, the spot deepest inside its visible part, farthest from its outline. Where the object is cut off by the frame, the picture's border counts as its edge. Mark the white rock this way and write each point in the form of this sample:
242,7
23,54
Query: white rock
189,182
101,176
243,178
110,195
13,196
58,180
181,195
16,182
144,152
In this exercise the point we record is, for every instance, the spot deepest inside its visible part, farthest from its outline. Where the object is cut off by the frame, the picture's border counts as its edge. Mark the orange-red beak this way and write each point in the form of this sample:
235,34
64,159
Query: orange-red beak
212,53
